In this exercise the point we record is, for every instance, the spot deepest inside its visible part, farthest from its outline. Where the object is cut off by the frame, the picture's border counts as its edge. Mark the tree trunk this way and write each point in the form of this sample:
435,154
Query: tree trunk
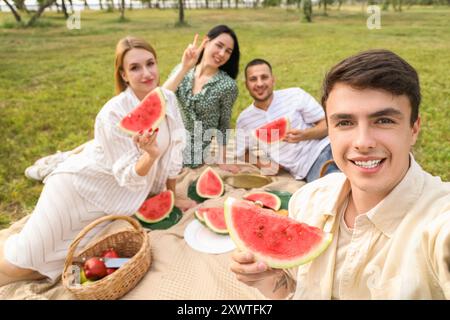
180,12
41,10
100,4
122,10
86,6
14,12
236,3
207,4
71,6
325,7
64,9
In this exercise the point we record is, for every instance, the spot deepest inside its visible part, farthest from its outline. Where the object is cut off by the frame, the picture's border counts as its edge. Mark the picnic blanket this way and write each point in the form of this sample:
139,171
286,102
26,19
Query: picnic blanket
177,271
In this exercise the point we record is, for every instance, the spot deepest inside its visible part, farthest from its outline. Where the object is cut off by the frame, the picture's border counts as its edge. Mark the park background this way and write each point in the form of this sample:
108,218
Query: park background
55,76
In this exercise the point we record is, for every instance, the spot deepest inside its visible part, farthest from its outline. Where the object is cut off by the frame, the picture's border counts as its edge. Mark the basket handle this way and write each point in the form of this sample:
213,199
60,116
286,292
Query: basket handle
136,225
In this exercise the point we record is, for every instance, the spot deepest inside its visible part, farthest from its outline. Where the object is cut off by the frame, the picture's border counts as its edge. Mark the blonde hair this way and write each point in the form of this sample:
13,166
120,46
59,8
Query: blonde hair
123,46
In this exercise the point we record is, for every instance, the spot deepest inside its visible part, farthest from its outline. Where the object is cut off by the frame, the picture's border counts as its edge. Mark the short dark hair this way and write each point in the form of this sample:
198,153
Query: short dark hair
256,62
231,67
376,69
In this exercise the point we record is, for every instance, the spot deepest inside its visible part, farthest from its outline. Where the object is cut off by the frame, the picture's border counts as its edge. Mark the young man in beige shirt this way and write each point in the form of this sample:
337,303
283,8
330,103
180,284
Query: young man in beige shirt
389,218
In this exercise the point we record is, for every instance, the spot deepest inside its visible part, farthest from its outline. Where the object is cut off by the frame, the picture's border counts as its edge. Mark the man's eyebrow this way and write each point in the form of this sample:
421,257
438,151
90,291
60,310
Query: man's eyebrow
387,112
340,116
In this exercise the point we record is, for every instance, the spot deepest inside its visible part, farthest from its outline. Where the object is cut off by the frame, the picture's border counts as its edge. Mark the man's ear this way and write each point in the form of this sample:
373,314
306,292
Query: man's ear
415,131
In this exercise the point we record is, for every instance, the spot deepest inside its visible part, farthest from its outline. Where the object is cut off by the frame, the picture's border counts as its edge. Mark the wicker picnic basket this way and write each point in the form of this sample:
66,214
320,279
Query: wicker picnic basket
129,243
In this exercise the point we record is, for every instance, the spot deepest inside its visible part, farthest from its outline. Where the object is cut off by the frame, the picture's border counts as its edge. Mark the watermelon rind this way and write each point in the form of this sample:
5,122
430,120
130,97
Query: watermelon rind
202,176
211,225
284,197
141,217
166,223
277,201
273,262
156,124
192,193
288,126
199,216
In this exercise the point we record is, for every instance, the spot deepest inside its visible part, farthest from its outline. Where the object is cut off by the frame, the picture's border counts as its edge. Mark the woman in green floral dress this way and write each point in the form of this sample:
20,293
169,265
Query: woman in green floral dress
204,83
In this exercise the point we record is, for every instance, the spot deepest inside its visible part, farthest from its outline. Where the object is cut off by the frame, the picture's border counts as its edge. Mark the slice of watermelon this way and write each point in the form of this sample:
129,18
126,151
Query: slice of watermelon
199,214
273,131
148,114
157,207
267,199
215,219
209,184
280,241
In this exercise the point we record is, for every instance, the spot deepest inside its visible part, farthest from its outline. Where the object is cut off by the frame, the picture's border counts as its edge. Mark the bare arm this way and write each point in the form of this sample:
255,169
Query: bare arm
188,61
318,131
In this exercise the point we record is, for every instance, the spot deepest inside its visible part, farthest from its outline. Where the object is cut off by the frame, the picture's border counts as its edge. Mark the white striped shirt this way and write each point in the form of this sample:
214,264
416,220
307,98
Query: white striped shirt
105,169
303,111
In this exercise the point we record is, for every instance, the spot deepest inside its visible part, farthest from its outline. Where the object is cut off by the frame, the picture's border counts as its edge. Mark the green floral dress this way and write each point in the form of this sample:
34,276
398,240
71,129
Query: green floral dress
206,113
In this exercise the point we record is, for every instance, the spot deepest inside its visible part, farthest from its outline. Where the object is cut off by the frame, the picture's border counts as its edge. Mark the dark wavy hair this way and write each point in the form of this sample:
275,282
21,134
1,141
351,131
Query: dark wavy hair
376,69
231,67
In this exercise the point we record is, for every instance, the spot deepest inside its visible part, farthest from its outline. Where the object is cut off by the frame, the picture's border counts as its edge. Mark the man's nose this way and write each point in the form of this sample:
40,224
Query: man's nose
364,140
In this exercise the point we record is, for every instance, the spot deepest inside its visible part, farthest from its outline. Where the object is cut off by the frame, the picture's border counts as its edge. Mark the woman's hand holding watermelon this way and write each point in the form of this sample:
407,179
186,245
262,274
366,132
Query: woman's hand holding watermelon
272,283
147,142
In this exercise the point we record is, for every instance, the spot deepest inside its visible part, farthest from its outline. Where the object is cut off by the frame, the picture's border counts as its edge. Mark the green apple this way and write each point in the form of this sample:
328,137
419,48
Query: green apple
83,278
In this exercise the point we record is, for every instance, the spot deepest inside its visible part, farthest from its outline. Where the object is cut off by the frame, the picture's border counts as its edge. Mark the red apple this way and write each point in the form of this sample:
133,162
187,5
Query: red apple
110,253
95,269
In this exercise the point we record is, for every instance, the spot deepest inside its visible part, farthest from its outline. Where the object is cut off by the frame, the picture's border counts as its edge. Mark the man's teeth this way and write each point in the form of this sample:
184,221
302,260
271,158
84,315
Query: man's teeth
368,164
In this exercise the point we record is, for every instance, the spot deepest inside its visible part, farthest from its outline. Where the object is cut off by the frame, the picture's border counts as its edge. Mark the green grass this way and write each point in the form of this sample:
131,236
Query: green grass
53,80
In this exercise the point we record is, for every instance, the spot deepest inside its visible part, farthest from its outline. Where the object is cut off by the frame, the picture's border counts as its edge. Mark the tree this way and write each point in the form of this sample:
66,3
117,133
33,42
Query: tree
307,10
181,13
14,12
43,4
122,10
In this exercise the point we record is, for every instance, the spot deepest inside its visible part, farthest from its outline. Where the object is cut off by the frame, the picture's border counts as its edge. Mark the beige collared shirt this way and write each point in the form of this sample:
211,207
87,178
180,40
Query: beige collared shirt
400,249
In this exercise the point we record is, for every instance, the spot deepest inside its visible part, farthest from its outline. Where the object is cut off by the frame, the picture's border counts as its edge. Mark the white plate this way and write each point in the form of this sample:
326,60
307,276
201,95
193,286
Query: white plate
200,238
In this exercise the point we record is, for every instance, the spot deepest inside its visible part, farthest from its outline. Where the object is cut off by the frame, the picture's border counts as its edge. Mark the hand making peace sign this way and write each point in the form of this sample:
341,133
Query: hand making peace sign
192,53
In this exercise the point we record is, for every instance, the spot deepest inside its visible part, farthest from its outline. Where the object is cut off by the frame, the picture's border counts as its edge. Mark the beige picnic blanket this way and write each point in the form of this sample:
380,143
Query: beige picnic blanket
177,271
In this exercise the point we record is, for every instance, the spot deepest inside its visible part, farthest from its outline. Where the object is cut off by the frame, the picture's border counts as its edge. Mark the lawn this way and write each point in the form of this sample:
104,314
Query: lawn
54,80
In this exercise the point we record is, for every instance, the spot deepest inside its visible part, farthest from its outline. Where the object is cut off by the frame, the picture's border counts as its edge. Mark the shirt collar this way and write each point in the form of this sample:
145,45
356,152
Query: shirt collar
389,212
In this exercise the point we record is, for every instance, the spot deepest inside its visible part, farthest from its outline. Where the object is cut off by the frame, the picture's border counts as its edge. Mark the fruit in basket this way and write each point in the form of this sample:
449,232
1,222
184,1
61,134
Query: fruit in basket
273,131
110,253
267,199
157,208
95,269
148,114
83,278
279,241
209,184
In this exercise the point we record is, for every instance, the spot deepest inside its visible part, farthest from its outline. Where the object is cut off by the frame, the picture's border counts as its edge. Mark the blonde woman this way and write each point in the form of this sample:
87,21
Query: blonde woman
113,174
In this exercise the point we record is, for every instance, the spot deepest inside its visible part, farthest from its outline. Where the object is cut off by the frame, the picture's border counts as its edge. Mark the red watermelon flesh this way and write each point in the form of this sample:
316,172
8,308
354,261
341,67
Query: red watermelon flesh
267,199
215,220
157,207
209,184
199,214
147,115
273,131
280,241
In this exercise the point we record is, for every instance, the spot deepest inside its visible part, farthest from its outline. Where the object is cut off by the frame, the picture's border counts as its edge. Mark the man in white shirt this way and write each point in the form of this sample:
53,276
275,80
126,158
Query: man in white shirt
390,220
305,149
